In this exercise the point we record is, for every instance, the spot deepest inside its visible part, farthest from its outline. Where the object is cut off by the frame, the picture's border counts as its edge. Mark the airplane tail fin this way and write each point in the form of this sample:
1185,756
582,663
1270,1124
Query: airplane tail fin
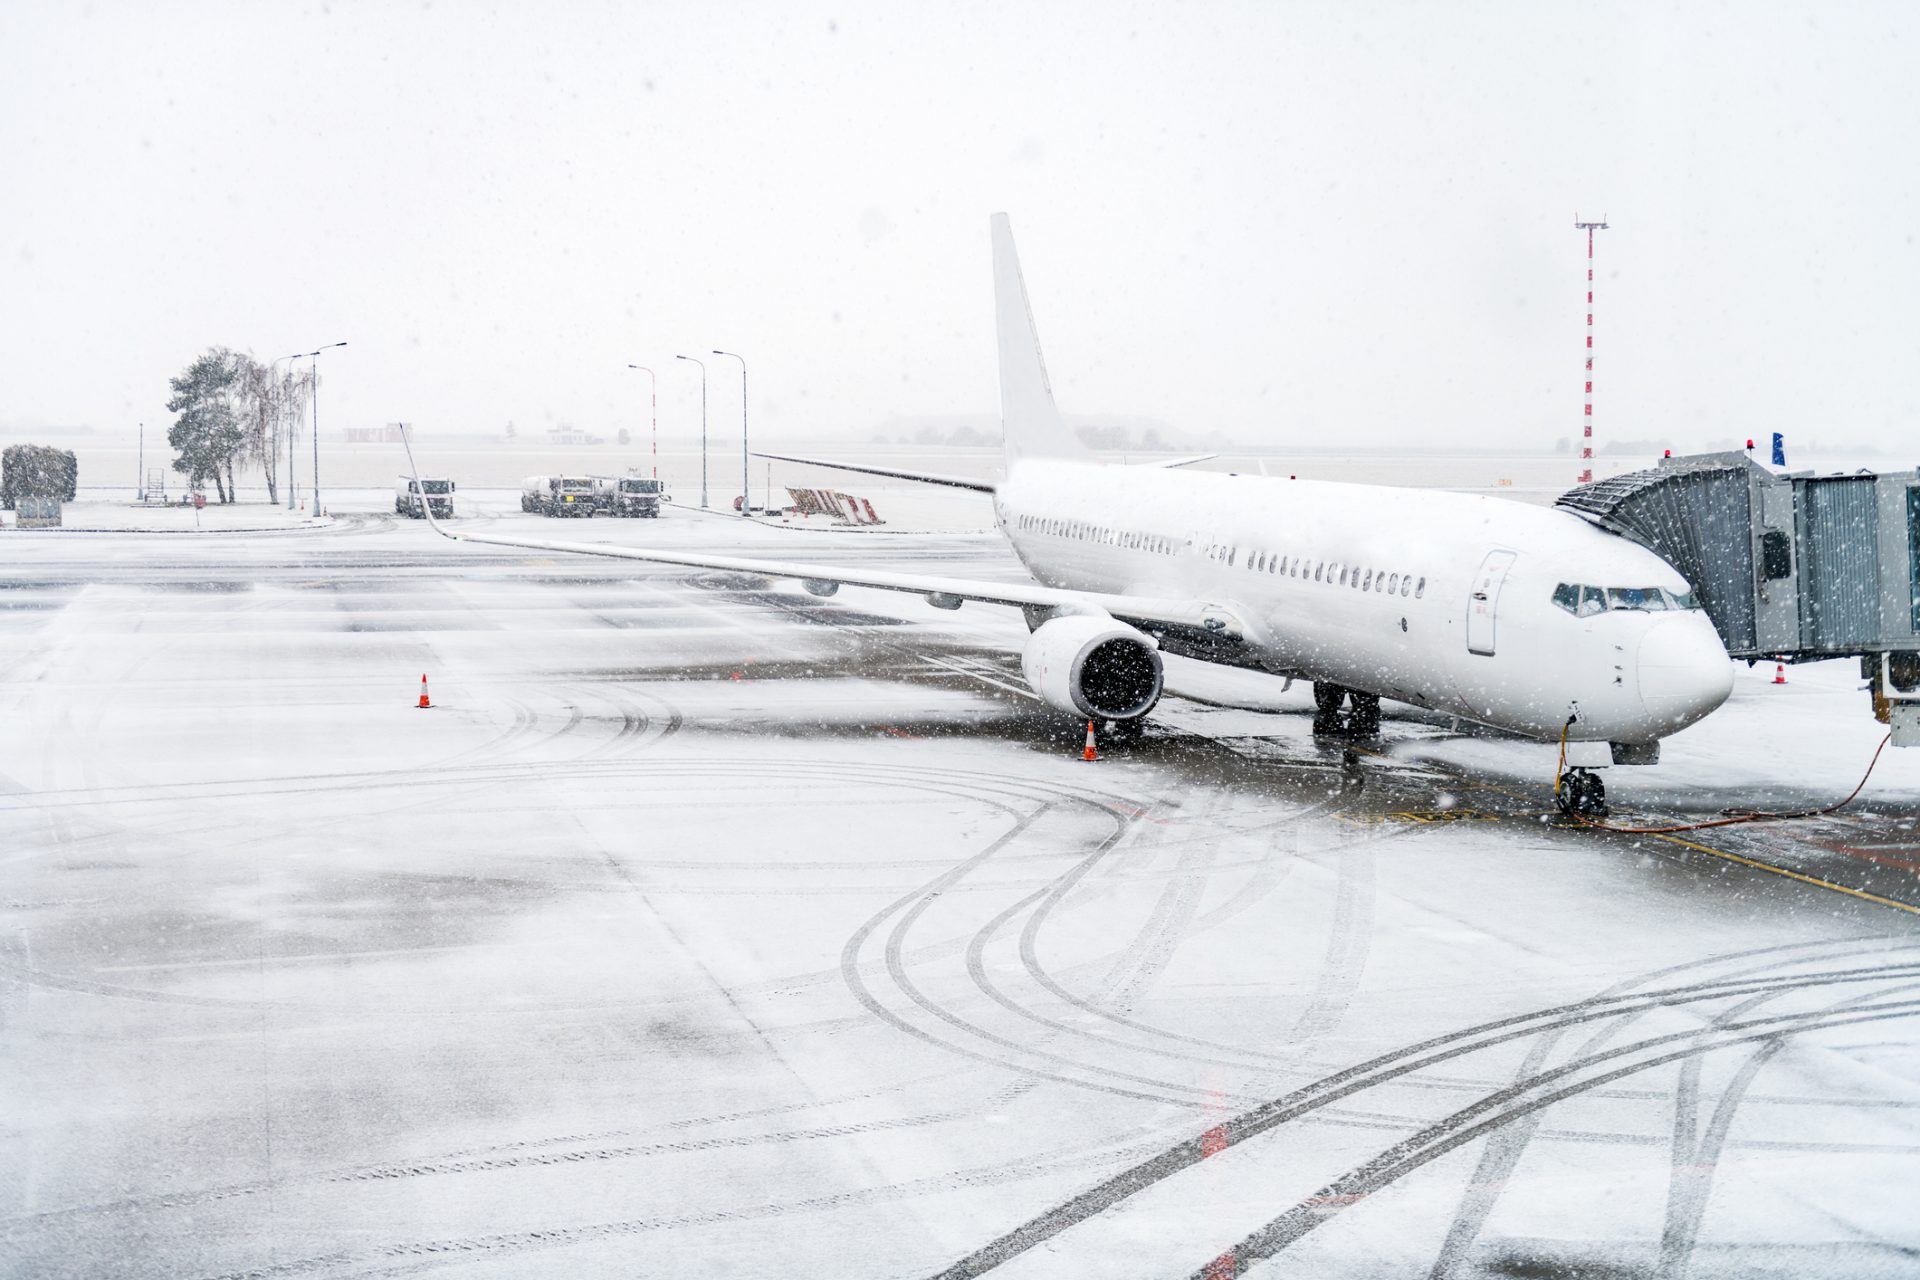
1029,420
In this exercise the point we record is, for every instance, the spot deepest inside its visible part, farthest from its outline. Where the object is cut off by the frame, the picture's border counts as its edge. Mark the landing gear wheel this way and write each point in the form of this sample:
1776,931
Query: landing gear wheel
1583,794
1327,721
1365,720
1360,717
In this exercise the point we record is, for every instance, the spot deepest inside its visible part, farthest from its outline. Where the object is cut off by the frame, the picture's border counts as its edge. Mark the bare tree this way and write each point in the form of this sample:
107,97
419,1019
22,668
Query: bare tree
257,406
295,392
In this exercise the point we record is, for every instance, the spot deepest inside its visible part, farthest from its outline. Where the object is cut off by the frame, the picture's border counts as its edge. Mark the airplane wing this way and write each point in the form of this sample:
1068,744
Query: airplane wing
945,593
1168,464
1191,615
924,477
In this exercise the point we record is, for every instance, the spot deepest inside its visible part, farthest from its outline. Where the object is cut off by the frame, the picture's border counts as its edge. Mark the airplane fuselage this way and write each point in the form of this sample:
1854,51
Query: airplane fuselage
1447,601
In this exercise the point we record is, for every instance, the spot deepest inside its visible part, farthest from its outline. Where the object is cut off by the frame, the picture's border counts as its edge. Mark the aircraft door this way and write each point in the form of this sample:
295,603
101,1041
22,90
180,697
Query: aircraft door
1485,600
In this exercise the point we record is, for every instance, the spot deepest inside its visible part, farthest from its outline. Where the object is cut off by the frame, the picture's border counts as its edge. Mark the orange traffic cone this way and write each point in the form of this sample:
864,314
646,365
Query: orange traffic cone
1090,753
424,704
1779,673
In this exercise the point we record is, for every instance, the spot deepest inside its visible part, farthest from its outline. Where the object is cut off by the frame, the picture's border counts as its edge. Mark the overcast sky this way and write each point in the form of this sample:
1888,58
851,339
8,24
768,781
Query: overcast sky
1298,224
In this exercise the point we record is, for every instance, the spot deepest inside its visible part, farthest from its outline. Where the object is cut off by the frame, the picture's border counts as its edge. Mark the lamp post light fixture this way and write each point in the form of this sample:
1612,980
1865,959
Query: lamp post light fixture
653,384
703,427
746,484
315,356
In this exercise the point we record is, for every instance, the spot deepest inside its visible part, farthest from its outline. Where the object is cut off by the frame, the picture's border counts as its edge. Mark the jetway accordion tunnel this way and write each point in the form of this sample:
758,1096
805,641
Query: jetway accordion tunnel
1791,567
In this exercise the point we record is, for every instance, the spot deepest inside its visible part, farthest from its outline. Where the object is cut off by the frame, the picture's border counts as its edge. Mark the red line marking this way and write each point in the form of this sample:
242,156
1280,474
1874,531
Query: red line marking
1855,851
1213,1141
1224,1267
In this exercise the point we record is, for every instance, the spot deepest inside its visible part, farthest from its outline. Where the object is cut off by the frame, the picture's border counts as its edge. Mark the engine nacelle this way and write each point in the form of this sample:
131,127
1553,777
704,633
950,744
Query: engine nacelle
1093,666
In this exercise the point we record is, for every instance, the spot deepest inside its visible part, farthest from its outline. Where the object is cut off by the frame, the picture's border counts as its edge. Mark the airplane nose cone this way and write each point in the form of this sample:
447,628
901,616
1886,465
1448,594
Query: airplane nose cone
1684,672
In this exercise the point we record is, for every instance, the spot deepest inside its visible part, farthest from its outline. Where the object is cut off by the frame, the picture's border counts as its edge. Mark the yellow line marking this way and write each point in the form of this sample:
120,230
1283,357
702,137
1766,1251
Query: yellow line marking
1815,881
1794,875
1422,816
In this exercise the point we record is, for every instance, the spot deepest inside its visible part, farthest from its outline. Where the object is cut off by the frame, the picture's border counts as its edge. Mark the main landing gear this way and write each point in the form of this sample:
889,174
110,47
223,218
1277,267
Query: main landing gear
1582,794
1340,712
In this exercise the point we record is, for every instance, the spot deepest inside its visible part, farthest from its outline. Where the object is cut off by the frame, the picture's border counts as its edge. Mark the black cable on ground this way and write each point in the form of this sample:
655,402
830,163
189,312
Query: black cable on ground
1730,820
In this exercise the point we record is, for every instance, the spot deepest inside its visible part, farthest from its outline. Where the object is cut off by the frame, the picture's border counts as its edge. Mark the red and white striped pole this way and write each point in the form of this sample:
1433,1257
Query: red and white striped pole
1586,421
653,397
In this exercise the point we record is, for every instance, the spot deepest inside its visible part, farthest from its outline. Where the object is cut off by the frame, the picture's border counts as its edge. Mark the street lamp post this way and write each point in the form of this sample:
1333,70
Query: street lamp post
315,355
283,421
703,427
746,484
653,394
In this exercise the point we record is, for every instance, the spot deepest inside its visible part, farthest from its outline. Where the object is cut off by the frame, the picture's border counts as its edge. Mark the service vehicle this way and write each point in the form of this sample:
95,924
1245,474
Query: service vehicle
632,496
407,494
558,495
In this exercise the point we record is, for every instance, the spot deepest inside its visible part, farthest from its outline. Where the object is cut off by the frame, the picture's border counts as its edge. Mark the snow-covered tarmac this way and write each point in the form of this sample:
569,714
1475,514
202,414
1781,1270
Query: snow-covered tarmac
704,927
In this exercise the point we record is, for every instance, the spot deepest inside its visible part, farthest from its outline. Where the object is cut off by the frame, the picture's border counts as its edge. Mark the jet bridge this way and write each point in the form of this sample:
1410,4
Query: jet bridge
1791,567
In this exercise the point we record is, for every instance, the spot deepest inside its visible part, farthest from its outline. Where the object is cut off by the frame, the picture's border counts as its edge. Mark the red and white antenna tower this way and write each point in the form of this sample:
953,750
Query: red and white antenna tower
1586,422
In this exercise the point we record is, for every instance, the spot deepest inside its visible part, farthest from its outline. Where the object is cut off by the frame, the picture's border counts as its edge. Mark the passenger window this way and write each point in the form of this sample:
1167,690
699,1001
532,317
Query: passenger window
1368,584
1316,571
1420,590
1393,584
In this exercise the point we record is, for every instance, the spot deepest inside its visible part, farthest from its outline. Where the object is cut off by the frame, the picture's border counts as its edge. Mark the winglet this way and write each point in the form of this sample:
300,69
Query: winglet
1029,419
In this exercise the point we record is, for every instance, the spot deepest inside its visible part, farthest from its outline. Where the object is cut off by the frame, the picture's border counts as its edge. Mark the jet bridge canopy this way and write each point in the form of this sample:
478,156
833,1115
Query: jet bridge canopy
1792,567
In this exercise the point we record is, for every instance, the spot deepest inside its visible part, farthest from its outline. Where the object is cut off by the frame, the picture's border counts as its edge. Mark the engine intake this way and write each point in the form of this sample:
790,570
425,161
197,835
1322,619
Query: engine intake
1093,666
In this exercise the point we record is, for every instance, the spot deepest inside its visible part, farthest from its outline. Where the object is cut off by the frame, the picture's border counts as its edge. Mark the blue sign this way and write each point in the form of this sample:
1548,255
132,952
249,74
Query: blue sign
1779,450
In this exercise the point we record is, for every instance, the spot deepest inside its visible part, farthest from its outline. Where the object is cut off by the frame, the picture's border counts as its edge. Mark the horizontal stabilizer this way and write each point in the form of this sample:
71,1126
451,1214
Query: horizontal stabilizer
952,482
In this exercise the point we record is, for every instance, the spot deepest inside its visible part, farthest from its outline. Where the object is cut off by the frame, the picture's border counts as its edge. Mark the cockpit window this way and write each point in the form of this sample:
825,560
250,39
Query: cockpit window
1684,599
1647,598
1583,601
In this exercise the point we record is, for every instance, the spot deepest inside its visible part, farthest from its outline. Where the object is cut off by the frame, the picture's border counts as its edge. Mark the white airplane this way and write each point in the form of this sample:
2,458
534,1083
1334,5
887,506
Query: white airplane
1525,618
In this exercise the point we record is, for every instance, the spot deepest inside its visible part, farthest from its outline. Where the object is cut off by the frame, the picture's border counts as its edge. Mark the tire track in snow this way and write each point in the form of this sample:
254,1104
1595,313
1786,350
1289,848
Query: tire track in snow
1502,1107
1351,1081
1502,1154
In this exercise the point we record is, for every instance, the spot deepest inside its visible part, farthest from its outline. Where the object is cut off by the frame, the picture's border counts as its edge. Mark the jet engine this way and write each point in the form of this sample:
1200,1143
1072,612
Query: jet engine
1093,666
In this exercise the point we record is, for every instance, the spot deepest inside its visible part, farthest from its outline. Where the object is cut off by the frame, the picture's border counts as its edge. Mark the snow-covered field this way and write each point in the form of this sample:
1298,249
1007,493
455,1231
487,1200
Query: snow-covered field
704,927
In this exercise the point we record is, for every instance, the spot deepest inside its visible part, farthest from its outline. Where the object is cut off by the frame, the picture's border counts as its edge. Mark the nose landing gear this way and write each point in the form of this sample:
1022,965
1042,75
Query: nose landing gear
1582,794
1358,718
